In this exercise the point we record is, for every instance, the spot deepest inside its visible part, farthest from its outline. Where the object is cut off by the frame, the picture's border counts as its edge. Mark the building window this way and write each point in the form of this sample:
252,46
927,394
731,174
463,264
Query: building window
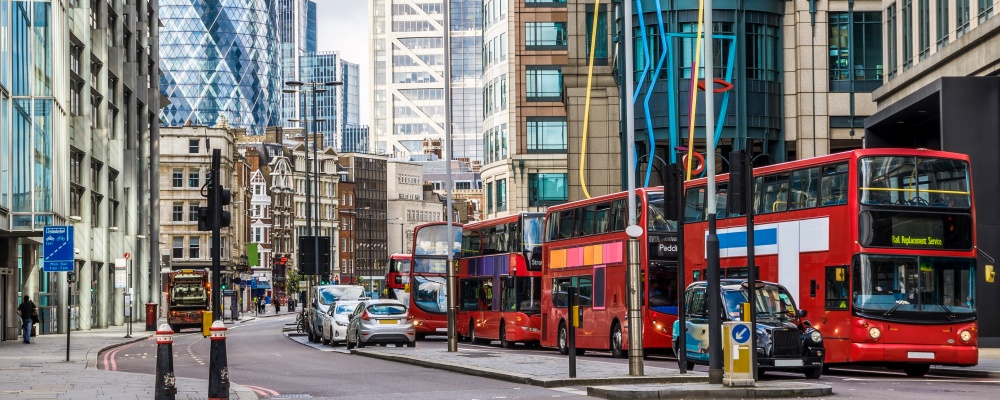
985,10
942,24
545,35
891,39
866,46
546,134
76,167
546,189
961,17
178,213
601,47
95,208
924,30
75,200
178,178
544,83
178,248
194,178
763,49
193,146
907,21
195,246
489,197
193,212
502,195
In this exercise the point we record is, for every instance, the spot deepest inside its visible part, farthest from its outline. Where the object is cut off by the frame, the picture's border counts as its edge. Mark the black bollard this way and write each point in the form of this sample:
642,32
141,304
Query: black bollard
218,370
166,383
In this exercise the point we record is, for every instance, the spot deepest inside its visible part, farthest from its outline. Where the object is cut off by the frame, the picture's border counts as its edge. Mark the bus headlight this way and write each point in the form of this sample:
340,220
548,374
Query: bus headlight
874,333
816,337
965,335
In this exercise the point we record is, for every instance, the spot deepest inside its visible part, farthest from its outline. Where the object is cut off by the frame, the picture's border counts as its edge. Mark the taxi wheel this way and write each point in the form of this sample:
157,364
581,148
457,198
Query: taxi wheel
814,373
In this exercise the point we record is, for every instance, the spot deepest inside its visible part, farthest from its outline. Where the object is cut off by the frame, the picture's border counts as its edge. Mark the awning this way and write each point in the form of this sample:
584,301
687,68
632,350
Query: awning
263,285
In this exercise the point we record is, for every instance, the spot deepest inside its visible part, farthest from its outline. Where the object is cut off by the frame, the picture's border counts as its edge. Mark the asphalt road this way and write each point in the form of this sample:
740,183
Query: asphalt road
263,359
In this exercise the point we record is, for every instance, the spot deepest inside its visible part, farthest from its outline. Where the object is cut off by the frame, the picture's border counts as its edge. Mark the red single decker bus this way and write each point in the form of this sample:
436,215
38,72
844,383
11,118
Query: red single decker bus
398,277
877,245
428,276
585,248
500,280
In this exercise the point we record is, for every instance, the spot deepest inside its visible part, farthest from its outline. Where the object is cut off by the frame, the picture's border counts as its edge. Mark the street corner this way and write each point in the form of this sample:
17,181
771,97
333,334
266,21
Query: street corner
710,391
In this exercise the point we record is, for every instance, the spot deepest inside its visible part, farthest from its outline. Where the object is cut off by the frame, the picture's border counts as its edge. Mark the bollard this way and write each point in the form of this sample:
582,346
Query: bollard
166,383
218,370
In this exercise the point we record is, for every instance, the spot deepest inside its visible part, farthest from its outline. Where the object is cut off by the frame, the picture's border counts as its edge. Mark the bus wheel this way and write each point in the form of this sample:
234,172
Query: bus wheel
503,337
472,334
616,342
563,339
916,370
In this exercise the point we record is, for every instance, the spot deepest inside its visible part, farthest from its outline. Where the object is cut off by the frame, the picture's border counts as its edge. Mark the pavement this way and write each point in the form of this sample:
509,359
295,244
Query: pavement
40,371
988,367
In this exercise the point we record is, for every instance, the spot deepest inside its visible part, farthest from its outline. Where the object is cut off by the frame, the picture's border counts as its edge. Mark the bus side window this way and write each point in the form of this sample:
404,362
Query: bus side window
603,218
585,291
552,227
694,204
805,189
836,288
833,184
721,197
587,217
566,224
560,291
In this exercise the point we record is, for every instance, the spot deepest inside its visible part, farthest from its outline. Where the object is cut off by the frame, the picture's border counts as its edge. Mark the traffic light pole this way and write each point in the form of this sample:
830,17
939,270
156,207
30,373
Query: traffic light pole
215,207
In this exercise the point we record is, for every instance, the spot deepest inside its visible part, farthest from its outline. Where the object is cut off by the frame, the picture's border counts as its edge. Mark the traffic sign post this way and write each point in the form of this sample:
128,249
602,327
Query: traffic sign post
738,365
57,248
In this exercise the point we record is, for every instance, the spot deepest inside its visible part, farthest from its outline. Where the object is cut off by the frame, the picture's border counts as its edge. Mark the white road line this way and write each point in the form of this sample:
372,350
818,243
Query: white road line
572,391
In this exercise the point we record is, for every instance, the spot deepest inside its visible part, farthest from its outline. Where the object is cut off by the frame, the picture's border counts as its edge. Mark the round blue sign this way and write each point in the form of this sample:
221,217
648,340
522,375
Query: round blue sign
741,334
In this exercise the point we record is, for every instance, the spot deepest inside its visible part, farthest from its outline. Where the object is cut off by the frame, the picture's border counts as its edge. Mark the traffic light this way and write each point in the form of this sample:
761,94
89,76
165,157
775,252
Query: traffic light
738,182
204,222
219,197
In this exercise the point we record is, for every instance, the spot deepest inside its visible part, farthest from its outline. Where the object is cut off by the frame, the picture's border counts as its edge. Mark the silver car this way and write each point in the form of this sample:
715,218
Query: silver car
335,321
380,322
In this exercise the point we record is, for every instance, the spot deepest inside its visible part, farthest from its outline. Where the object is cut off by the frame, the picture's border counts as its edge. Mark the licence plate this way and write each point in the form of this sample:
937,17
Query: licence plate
920,355
441,329
388,321
787,363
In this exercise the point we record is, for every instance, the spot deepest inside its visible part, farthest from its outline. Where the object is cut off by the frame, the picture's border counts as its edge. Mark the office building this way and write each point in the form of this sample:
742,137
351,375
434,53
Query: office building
297,34
220,59
368,174
75,140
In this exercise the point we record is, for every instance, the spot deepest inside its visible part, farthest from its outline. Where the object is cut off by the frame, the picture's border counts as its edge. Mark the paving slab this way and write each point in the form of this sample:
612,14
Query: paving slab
40,371
537,370
767,389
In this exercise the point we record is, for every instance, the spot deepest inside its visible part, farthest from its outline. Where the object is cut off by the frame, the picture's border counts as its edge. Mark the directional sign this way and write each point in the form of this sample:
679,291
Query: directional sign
57,248
741,334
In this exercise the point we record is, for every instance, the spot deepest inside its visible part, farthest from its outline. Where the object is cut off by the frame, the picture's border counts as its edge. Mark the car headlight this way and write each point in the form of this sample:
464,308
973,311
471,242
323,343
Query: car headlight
815,336
874,333
341,323
965,335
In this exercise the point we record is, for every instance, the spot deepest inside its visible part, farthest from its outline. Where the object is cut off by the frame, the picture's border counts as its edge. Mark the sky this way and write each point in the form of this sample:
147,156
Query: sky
342,25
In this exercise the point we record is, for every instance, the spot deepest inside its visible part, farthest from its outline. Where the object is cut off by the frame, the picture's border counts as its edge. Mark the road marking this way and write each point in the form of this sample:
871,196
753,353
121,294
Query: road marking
572,391
263,391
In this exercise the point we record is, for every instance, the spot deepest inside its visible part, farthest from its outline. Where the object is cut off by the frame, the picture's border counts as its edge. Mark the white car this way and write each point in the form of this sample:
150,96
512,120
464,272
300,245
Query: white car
335,321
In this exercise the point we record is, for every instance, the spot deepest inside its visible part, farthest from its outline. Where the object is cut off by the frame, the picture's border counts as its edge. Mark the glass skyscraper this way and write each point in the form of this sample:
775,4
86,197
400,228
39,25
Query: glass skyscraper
297,34
220,57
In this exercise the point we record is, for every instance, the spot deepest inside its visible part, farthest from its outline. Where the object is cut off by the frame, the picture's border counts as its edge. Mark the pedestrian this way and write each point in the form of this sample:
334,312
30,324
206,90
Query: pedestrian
260,306
277,305
29,315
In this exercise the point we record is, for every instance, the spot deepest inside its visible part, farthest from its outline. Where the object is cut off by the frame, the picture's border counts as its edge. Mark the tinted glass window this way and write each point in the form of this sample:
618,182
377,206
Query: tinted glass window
833,185
694,204
805,189
566,224
387,309
603,218
587,221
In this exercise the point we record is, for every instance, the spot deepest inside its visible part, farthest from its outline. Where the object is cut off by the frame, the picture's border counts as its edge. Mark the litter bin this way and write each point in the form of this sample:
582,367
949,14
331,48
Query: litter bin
151,317
206,323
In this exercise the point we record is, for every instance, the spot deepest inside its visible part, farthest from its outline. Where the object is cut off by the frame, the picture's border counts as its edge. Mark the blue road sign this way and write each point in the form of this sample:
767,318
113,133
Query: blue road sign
741,334
57,248
253,283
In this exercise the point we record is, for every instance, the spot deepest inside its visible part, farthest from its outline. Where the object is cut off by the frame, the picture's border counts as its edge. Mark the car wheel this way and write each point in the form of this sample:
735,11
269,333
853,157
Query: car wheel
421,336
347,342
616,342
361,344
916,370
563,341
688,364
814,373
503,337
326,341
411,344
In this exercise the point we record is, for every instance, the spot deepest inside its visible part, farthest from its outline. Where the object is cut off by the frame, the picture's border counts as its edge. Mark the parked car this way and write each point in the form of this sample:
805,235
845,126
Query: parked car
786,341
380,322
335,321
323,296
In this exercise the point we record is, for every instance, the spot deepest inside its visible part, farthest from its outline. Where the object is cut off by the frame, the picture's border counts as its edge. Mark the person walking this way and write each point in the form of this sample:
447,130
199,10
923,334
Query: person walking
277,305
29,314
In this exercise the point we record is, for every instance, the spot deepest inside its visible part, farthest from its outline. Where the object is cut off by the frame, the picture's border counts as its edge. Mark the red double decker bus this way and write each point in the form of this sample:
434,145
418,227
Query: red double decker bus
877,245
428,283
500,280
398,277
585,248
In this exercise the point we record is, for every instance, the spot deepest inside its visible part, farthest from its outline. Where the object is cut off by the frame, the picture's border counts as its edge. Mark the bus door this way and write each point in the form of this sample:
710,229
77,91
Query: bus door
835,321
595,331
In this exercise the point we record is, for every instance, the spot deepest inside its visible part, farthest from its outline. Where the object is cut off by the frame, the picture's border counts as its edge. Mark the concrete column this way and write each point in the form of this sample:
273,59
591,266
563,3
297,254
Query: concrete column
11,321
103,297
84,283
30,271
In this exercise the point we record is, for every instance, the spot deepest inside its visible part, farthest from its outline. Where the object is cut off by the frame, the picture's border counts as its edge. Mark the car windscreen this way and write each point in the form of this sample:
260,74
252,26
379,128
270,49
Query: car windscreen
386,309
772,302
332,294
345,308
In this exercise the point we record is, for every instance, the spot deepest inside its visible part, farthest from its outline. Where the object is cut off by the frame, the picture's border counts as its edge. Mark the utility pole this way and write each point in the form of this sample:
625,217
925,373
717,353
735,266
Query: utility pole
715,371
634,231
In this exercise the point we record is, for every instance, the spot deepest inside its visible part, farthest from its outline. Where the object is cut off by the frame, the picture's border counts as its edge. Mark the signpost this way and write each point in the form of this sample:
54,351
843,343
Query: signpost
57,252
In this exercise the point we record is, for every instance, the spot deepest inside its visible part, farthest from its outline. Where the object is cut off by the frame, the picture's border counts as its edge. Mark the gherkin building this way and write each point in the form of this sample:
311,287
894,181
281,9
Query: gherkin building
220,57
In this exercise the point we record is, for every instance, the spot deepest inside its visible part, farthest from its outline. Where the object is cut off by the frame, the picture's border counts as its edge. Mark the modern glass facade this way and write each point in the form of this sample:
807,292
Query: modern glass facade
220,57
297,33
321,67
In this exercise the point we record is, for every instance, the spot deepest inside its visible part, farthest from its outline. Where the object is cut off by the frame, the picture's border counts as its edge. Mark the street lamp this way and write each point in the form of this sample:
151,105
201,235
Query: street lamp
314,88
402,238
